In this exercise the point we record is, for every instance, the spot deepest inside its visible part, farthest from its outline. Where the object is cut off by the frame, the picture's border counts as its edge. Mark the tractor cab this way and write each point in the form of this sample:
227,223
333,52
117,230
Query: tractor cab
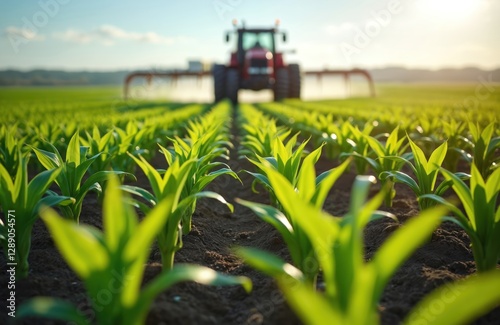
256,65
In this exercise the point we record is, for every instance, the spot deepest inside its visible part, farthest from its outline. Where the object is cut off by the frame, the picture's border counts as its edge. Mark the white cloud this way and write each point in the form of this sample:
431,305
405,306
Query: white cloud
72,35
28,34
108,34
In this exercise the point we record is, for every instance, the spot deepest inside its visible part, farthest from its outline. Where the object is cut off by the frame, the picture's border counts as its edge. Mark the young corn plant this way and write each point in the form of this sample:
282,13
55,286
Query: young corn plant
10,148
394,146
353,287
101,146
481,219
425,171
25,200
125,141
117,255
485,148
360,138
284,158
311,189
453,131
73,169
338,139
260,133
174,180
203,151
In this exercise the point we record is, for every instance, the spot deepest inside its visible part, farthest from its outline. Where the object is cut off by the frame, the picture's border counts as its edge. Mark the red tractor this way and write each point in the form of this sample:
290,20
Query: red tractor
256,65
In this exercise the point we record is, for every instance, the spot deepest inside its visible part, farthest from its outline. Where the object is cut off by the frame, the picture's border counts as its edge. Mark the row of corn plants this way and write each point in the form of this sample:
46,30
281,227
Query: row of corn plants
345,132
75,171
121,248
387,159
192,163
318,242
141,131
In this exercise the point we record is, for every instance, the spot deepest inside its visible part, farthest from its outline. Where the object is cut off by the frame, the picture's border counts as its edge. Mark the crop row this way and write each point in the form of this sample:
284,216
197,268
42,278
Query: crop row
192,163
317,241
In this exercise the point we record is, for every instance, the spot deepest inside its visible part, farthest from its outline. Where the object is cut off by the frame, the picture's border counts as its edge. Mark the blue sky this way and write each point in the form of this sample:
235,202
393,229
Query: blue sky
111,34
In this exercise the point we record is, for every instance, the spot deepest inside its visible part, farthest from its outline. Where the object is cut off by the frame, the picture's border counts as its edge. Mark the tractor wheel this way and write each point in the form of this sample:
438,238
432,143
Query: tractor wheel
232,85
282,84
219,76
294,72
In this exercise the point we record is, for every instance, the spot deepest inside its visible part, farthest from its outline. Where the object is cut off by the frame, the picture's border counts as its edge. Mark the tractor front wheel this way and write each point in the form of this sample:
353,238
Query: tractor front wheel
294,71
282,84
219,76
232,85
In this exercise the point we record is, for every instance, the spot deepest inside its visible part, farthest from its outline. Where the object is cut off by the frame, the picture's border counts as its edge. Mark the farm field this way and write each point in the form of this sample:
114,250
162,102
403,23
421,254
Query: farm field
245,176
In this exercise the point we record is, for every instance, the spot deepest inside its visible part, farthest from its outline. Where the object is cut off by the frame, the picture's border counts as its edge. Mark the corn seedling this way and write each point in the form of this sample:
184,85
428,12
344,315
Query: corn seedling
353,287
73,169
481,220
10,148
125,141
485,148
200,175
453,131
311,189
98,258
100,146
425,171
361,146
260,133
172,181
384,163
25,199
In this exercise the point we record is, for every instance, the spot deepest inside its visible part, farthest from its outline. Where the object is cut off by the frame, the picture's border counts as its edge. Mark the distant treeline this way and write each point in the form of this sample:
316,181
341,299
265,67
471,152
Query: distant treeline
60,78
392,74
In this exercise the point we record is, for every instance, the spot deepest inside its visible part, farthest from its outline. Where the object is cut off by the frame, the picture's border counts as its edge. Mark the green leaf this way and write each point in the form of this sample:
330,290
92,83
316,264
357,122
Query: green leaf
262,178
463,192
207,179
148,229
41,182
99,177
268,263
155,180
53,200
311,307
402,243
400,177
307,175
51,308
140,192
437,157
79,247
48,159
456,303
275,218
493,185
73,150
215,196
119,221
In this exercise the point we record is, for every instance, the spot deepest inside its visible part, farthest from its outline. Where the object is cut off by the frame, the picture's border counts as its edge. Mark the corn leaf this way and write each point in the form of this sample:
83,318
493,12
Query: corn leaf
51,308
80,248
458,306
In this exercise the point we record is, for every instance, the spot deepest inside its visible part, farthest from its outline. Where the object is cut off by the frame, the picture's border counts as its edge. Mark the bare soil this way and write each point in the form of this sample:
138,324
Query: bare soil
446,257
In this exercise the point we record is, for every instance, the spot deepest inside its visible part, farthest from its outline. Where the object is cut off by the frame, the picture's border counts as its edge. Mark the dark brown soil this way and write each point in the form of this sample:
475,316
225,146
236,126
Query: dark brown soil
446,257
